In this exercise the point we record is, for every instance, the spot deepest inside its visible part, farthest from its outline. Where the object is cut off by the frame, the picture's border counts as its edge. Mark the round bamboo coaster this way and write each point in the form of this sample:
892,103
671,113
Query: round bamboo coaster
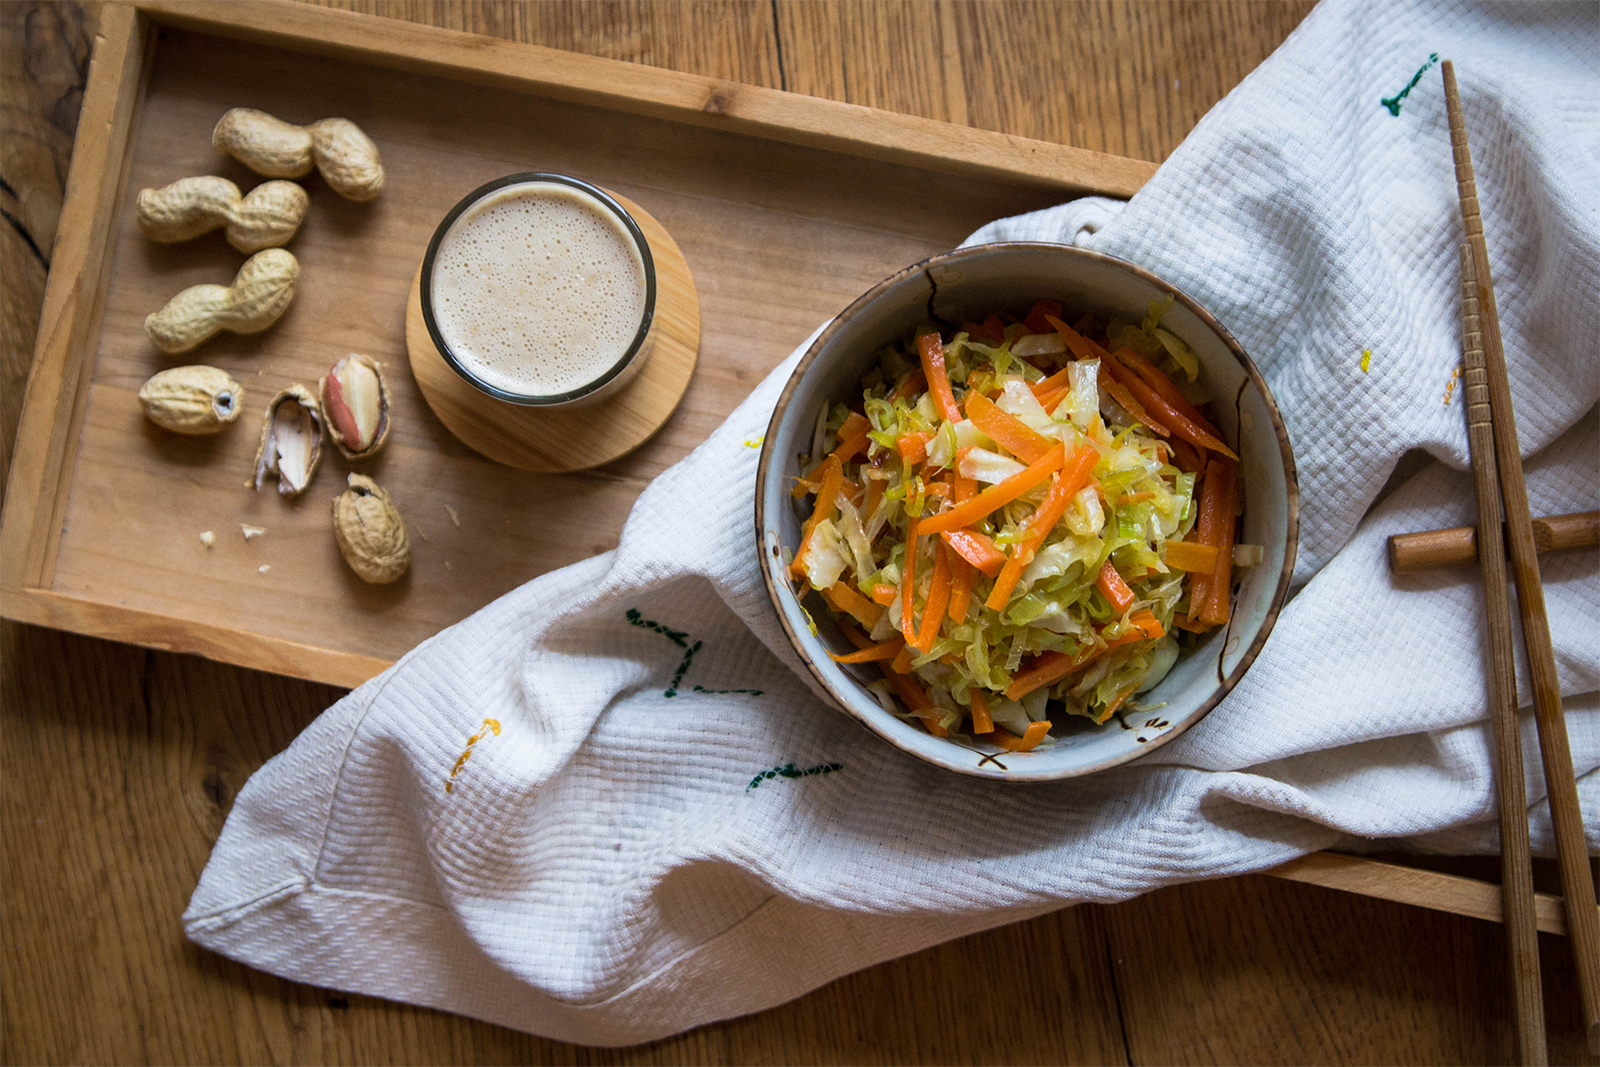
577,436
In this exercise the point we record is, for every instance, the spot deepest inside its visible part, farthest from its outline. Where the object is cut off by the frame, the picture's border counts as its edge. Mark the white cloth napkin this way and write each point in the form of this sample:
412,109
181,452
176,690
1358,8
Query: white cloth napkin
662,825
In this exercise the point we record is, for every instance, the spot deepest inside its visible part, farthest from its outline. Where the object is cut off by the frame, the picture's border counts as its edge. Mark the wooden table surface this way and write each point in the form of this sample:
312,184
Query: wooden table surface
118,765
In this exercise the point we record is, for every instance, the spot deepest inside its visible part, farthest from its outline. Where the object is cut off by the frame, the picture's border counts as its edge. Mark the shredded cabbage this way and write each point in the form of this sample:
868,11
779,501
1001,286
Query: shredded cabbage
1116,636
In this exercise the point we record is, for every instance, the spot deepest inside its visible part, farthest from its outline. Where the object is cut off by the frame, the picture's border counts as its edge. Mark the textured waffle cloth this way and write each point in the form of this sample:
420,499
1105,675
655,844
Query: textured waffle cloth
611,864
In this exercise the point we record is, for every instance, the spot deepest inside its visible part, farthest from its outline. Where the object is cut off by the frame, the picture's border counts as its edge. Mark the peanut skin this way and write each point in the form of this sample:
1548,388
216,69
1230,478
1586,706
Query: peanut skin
345,156
261,291
267,217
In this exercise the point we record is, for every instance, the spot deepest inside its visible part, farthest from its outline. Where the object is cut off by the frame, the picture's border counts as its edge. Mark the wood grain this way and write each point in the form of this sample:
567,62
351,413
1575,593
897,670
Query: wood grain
1516,861
117,765
1566,817
580,436
1458,546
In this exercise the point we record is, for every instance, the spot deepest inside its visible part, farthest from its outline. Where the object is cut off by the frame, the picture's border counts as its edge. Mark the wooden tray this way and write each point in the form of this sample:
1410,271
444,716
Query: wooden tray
786,207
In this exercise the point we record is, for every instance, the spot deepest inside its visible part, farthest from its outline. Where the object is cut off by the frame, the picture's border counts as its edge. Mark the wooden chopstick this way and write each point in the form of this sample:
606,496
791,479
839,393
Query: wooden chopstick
1583,918
1516,857
1430,550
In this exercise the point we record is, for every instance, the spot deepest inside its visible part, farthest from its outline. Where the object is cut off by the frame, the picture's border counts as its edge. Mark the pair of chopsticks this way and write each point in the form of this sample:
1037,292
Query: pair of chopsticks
1497,468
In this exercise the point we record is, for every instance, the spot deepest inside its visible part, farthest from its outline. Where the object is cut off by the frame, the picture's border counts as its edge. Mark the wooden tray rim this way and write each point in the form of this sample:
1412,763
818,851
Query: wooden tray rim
69,322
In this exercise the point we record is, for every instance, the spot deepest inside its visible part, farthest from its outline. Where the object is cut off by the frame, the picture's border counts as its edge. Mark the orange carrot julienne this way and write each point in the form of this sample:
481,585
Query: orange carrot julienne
938,599
1116,702
977,549
931,348
1115,589
1188,625
1147,624
1052,400
852,437
1164,387
1065,486
1118,391
1184,456
914,383
902,663
908,584
982,721
875,487
1059,380
916,700
913,447
1222,478
960,588
1000,737
871,654
843,598
1050,667
1080,346
962,488
1191,556
996,496
1037,320
883,594
1161,412
832,477
1010,432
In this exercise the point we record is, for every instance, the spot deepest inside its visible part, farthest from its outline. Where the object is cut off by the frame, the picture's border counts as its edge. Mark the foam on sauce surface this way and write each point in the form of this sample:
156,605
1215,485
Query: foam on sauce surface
538,289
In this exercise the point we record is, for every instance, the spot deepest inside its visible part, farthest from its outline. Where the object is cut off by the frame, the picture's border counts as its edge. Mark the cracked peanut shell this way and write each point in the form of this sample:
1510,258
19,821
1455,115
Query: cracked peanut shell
371,536
291,441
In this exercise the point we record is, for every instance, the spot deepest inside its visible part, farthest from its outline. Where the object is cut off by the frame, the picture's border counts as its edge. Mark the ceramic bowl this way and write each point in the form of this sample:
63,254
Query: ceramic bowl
965,285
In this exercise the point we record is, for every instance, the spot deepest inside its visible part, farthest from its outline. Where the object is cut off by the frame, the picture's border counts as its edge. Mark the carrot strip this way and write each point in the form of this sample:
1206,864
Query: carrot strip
994,328
1080,346
1147,624
1003,738
852,437
996,496
960,588
1207,531
872,654
1115,589
917,701
875,487
1050,667
1037,319
977,549
930,346
883,594
832,477
962,488
1188,625
1222,479
1162,412
1191,556
908,584
1010,432
1118,391
1184,457
938,600
913,447
1061,379
982,721
914,383
845,599
1116,702
1164,387
902,662
1052,400
1066,485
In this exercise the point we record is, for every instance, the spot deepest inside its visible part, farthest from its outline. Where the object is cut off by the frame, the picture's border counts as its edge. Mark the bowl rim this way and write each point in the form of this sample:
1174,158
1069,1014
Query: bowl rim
1225,685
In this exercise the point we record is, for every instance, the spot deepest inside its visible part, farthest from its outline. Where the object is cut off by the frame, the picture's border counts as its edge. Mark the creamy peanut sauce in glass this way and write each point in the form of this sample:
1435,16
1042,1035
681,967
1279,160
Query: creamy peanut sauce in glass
538,289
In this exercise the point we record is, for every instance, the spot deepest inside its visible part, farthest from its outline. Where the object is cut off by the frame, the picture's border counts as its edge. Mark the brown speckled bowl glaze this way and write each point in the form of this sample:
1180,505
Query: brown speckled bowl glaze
967,284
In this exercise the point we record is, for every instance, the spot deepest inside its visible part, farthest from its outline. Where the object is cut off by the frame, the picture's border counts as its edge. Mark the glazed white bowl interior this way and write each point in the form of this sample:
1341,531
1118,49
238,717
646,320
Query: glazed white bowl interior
966,285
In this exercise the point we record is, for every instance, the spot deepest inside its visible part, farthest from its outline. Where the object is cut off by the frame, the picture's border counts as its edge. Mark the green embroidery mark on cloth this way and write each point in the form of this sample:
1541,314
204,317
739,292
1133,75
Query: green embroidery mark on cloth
789,770
1393,102
683,668
681,639
677,637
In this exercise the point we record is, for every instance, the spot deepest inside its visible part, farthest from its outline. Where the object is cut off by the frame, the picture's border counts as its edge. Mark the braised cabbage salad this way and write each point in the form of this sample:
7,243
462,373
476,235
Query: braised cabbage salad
1017,522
